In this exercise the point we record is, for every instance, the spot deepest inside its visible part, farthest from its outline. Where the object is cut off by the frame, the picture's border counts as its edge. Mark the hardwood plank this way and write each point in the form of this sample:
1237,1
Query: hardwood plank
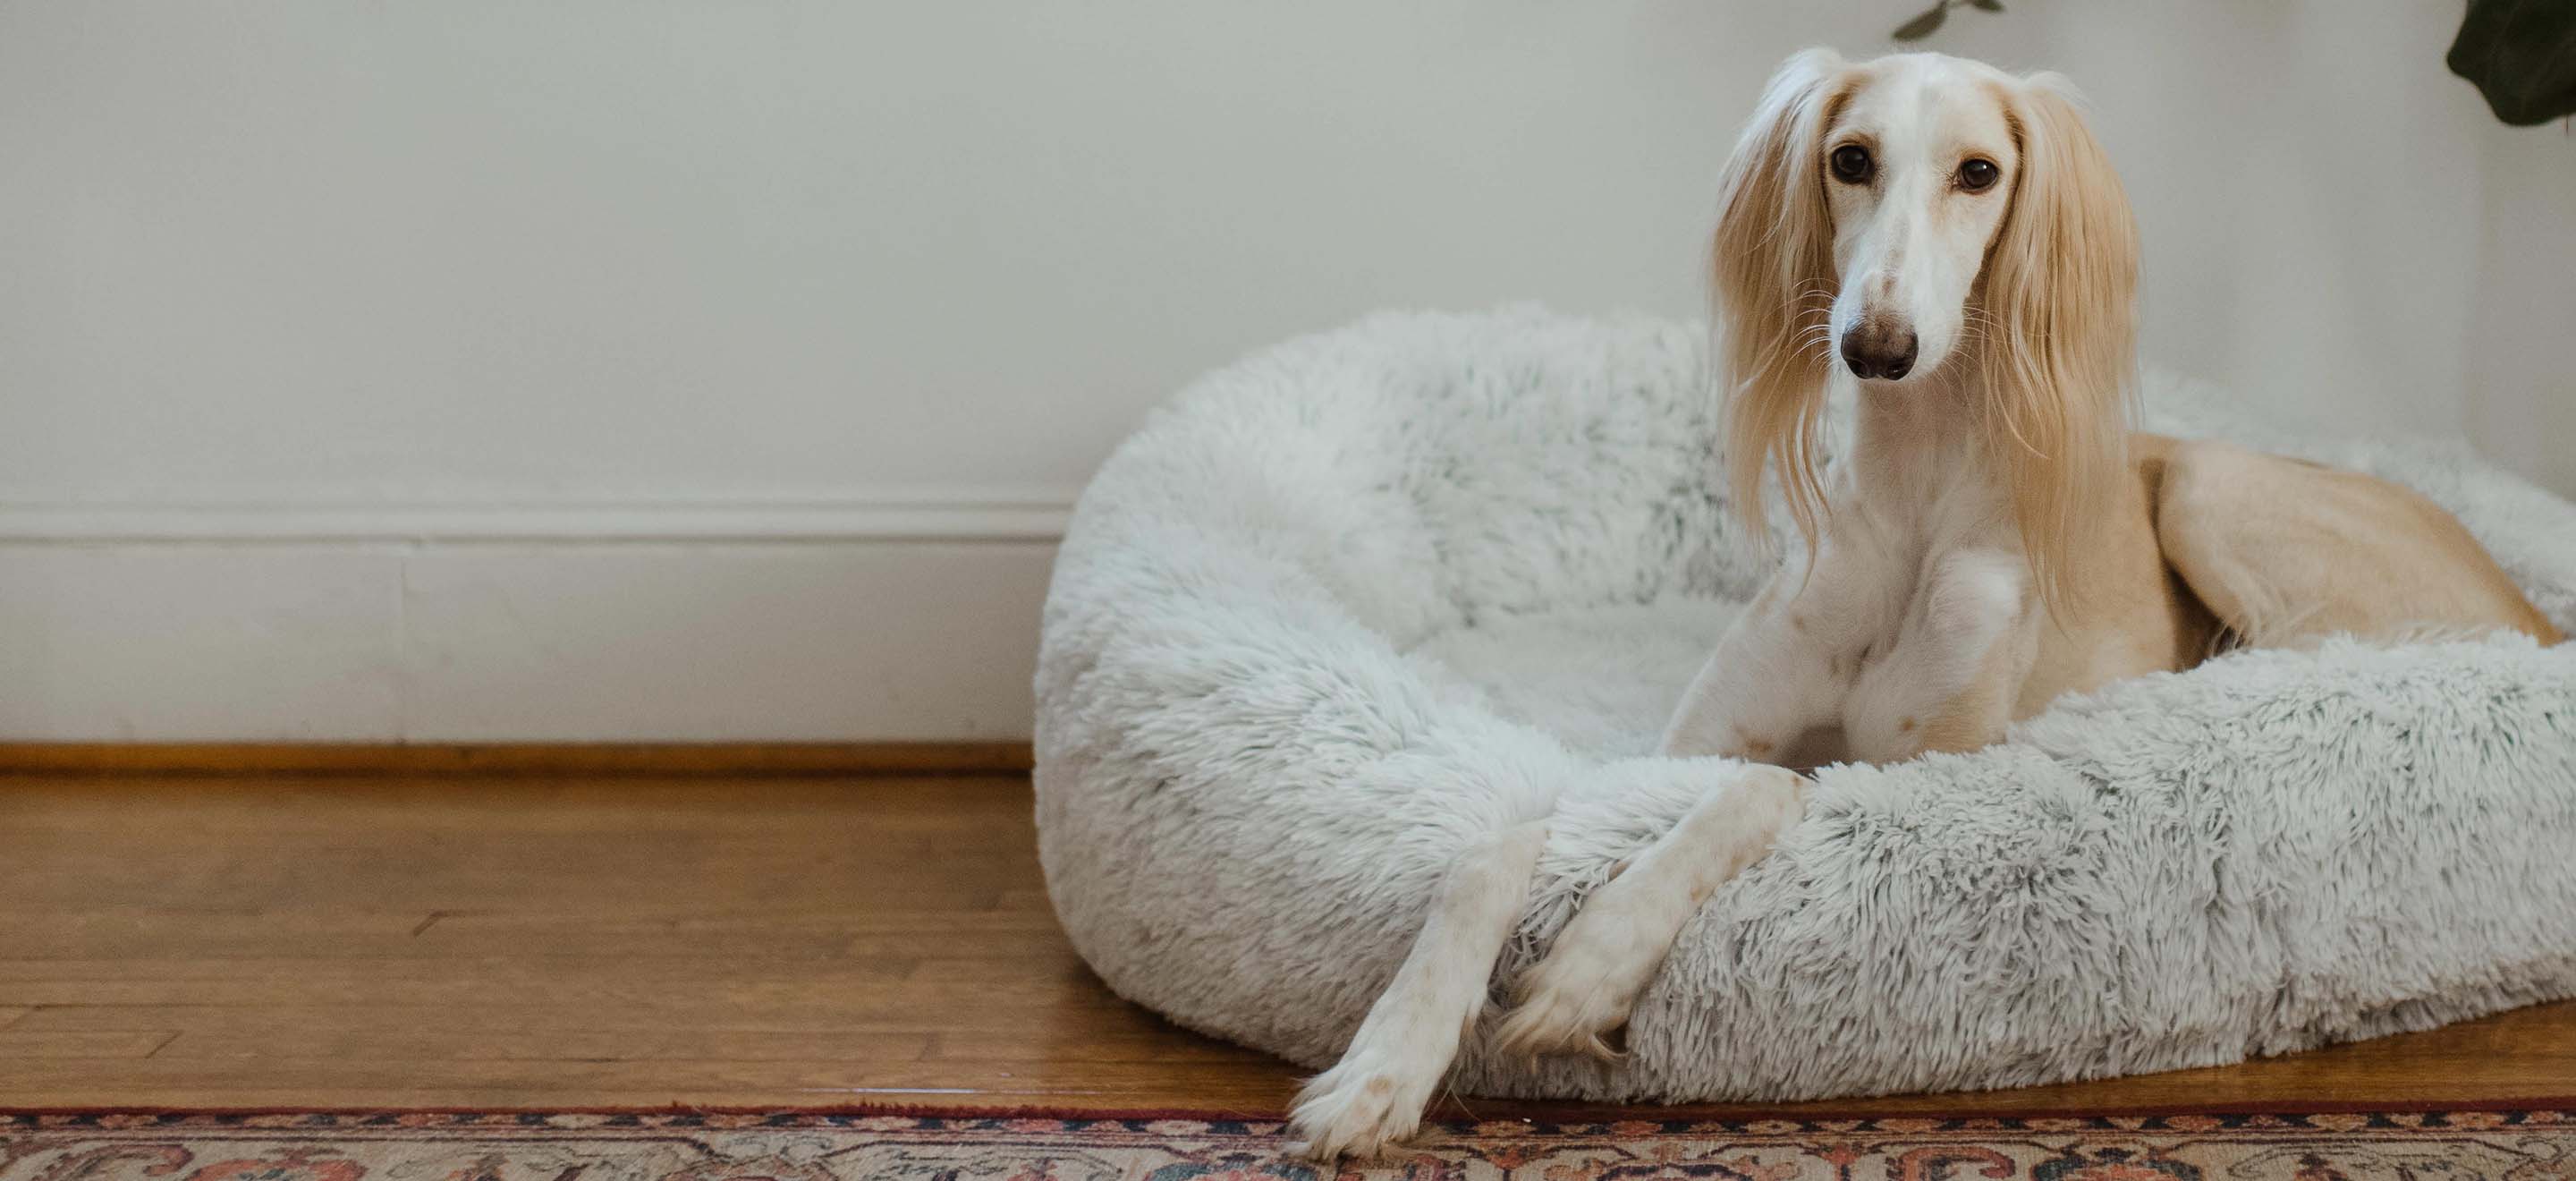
1090,1042
149,932
584,847
861,1013
666,1042
669,985
567,803
156,932
1214,1094
816,1080
99,1044
514,758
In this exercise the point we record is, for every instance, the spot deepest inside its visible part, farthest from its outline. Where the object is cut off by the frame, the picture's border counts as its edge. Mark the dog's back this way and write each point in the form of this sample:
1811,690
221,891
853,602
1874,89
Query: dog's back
2283,551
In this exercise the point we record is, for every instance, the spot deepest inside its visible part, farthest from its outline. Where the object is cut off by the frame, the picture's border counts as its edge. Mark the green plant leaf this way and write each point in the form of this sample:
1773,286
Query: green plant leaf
2521,55
1922,26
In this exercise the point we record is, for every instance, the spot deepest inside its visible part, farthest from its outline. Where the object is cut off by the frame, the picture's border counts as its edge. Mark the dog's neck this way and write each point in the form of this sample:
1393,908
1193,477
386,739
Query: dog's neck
1911,440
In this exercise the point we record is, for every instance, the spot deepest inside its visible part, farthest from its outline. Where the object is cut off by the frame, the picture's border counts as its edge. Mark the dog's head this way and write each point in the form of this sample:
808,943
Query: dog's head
1918,220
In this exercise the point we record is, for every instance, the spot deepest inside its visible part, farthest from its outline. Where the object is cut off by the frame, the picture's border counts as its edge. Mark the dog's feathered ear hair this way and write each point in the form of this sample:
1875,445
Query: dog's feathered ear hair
2060,367
1772,265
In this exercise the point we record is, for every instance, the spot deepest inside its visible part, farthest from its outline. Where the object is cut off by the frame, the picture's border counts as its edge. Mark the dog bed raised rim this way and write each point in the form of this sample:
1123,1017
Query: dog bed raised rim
1357,599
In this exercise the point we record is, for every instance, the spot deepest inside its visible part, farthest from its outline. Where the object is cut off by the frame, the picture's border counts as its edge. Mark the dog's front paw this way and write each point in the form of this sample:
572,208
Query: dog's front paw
1359,1107
1584,990
1580,996
1575,1000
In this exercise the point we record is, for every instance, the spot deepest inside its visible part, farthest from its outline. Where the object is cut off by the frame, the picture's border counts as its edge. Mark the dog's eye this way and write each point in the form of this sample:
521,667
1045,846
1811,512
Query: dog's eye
1851,163
1976,175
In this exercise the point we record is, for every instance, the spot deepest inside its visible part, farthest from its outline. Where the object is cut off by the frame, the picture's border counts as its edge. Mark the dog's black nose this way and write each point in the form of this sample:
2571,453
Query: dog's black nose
1872,349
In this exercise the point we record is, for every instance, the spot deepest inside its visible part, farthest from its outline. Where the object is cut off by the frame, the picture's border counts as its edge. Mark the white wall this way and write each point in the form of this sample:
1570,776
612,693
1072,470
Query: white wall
616,369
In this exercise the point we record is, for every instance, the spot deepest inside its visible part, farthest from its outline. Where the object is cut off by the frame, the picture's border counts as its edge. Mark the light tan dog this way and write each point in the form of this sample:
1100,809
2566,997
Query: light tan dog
1951,241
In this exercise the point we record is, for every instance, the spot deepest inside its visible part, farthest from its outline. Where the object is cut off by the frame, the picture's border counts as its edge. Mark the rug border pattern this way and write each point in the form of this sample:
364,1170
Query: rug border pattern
2329,1118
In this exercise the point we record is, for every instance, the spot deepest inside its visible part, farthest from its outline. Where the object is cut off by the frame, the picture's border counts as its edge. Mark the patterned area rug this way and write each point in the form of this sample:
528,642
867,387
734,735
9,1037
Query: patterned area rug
2454,1145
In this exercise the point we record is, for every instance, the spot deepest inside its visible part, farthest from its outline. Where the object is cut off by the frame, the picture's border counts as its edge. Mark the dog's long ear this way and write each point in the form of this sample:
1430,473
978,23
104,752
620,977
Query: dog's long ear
2060,285
1772,263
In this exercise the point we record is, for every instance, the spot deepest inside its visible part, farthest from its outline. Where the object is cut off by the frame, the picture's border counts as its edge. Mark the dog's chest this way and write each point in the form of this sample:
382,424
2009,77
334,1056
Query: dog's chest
1938,560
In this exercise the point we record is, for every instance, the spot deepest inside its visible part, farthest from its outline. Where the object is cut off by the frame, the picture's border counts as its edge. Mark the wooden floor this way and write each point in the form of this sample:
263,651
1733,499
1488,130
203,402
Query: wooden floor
487,941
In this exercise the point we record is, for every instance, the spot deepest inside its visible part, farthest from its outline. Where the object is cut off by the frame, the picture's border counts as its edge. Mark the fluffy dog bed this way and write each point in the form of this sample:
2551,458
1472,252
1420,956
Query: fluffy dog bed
1361,597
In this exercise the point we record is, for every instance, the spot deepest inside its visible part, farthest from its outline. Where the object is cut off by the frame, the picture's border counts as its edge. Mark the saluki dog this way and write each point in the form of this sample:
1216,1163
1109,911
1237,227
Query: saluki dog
1948,243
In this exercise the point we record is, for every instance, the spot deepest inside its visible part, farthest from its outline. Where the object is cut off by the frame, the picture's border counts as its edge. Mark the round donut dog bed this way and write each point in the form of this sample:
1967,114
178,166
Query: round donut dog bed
1361,599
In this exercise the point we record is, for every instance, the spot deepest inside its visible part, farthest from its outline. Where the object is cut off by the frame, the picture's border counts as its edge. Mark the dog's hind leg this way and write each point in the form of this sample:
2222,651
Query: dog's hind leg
1377,1092
2283,551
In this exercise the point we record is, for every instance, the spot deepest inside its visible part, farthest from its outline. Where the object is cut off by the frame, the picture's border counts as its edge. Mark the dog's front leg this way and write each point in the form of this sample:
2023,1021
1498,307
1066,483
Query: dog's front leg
1950,681
1776,674
1376,1093
1583,991
1779,671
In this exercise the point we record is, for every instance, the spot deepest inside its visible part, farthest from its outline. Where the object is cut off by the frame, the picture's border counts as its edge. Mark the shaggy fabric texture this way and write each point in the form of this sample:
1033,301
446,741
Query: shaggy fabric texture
1359,598
2472,1145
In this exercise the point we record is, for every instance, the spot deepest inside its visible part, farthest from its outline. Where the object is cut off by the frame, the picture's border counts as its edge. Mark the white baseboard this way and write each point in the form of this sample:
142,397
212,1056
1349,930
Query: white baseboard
1001,513
902,615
